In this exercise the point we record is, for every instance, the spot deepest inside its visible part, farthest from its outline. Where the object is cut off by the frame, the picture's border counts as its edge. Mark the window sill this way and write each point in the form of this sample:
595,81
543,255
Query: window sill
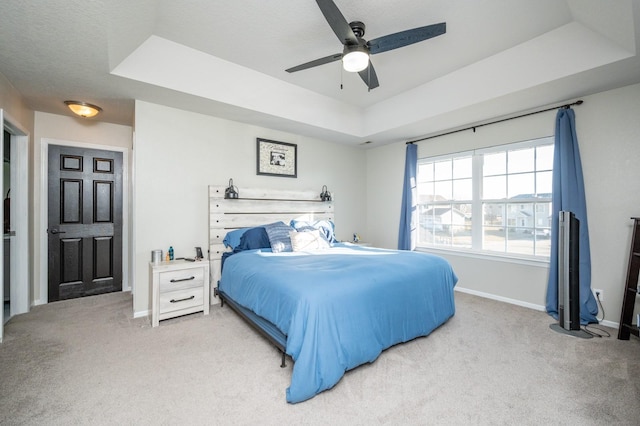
496,257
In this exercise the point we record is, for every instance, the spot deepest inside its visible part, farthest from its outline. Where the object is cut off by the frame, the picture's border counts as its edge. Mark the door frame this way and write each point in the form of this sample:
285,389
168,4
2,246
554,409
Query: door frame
44,210
20,285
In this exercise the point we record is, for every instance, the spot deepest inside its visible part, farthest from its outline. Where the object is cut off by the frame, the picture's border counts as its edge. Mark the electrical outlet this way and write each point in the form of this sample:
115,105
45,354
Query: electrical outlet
598,294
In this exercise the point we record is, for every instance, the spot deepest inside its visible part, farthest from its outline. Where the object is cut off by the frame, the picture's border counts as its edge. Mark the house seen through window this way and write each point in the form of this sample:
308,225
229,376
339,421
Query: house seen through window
492,200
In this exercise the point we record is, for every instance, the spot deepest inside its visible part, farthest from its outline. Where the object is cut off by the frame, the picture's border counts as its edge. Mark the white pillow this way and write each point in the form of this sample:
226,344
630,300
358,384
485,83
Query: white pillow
308,240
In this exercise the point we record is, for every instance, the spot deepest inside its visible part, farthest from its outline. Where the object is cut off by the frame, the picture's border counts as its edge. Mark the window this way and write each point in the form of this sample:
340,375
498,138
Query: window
494,200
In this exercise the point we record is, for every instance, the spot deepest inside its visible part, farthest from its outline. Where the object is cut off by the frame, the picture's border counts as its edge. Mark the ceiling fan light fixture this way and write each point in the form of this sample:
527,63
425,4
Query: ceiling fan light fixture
83,109
355,60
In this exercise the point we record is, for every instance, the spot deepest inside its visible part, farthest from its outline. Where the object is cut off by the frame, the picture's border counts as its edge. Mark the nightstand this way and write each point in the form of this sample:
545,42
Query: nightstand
178,288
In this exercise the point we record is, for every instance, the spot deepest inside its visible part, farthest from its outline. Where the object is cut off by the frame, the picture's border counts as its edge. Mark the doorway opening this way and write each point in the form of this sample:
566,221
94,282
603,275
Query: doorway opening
14,252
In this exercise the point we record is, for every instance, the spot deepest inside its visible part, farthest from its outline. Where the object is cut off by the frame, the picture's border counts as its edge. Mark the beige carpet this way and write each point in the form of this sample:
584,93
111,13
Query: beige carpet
87,361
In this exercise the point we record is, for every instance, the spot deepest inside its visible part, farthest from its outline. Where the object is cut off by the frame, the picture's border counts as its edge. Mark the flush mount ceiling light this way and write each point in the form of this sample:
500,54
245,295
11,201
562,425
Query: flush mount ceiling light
83,109
355,58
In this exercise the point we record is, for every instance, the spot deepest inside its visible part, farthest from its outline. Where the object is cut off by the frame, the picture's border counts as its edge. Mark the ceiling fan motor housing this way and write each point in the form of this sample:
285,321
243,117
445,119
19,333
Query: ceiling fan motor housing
358,28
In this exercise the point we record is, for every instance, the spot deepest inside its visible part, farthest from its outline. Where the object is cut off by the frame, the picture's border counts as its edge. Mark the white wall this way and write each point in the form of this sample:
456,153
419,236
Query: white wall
179,153
52,127
13,104
608,131
15,109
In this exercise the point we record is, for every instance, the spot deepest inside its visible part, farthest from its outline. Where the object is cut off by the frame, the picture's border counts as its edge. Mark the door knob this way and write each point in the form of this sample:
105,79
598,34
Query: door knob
55,231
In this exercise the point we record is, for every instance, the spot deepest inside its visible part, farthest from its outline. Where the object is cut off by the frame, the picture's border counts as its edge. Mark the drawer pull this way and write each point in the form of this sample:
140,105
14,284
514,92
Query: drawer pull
183,279
182,300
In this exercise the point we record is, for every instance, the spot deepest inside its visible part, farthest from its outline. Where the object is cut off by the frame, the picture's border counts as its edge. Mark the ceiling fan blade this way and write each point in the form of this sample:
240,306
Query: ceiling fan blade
315,63
337,22
368,75
405,38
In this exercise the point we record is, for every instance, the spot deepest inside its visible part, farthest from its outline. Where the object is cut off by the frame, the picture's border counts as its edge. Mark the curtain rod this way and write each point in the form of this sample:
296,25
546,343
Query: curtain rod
578,102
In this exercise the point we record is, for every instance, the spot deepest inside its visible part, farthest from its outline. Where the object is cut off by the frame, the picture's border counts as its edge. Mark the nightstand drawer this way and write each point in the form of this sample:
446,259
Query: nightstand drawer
182,299
185,278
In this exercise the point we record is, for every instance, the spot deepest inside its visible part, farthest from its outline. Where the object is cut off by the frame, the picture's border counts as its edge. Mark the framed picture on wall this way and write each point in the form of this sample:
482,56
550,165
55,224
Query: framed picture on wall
277,158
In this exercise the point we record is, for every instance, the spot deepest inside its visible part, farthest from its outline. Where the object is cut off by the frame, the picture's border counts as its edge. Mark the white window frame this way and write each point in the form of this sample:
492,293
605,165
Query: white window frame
476,249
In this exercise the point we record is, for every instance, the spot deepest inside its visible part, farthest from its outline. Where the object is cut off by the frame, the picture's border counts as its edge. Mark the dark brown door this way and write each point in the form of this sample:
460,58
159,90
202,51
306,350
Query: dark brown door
85,222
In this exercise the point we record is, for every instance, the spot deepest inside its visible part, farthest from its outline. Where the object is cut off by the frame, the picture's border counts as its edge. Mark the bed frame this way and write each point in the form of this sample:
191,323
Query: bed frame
256,207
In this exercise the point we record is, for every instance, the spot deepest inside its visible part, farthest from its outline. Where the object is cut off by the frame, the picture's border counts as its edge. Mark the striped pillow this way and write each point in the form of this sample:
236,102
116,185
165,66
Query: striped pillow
278,233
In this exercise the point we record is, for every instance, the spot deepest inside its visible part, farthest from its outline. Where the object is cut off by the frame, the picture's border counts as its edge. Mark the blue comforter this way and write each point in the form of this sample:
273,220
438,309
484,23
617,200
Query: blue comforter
341,307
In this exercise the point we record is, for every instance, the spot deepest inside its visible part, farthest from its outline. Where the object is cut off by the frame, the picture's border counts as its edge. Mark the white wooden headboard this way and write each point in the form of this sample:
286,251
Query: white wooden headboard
257,207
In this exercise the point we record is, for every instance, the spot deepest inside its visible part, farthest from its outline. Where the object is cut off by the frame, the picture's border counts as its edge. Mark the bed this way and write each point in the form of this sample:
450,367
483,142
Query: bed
330,308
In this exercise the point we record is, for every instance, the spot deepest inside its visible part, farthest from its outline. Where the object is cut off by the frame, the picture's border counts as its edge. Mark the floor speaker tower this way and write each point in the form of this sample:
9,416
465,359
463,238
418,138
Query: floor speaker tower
569,271
569,276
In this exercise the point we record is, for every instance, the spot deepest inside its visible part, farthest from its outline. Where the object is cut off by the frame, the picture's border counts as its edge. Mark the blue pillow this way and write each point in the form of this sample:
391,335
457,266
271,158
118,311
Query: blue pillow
253,238
326,227
279,238
232,239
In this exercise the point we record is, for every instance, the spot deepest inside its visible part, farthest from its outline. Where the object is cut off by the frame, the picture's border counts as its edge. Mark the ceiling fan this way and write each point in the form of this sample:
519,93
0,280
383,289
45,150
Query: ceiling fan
356,51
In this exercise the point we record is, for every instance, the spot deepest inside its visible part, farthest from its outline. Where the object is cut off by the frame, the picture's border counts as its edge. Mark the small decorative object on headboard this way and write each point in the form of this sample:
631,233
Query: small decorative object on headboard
325,195
231,191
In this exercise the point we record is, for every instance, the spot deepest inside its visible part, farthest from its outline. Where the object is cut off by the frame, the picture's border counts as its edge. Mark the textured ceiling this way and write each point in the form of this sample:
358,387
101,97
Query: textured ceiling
228,59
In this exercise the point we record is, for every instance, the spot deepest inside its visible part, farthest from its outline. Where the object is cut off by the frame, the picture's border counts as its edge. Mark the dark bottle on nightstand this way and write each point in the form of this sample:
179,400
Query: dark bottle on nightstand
171,253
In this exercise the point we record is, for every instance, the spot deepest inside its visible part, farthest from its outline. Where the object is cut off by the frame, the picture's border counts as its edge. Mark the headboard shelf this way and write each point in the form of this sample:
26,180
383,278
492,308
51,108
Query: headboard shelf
266,194
244,206
276,199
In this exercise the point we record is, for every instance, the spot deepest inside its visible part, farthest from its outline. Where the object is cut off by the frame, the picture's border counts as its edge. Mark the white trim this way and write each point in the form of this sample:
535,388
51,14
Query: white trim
533,306
132,243
501,299
485,255
611,324
142,314
513,146
20,287
126,214
20,281
443,157
476,203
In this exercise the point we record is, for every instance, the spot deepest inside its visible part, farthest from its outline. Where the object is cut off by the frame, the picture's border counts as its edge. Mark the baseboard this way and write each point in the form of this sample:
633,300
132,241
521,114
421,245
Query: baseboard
533,306
611,324
501,299
141,314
